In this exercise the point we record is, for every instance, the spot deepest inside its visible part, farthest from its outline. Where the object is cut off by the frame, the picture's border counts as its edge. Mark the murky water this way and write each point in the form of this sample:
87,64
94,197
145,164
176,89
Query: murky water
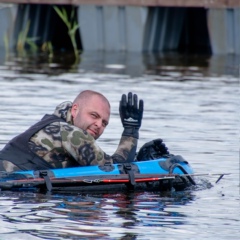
190,102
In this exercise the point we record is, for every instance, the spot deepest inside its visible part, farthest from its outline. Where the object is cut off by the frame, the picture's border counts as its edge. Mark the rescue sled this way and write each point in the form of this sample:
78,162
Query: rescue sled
165,173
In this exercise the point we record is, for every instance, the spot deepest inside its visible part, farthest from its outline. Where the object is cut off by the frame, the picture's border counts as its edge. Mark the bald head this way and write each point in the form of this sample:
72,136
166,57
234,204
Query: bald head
86,95
91,112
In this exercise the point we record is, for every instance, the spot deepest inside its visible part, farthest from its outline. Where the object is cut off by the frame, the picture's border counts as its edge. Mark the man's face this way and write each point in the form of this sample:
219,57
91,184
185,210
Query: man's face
92,117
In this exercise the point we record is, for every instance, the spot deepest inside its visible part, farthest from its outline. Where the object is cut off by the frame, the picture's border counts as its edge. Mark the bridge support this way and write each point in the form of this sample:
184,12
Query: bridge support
224,30
129,28
112,28
8,16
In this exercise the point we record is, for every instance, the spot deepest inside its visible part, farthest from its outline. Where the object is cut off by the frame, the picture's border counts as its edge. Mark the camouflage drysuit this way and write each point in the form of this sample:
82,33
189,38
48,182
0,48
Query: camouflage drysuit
62,145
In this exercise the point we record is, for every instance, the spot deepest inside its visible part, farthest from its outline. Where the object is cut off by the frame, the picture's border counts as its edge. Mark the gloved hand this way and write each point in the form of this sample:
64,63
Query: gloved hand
152,150
160,147
131,114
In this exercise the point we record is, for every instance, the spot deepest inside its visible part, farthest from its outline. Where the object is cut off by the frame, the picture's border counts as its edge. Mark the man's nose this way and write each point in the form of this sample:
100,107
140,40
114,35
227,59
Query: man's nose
98,123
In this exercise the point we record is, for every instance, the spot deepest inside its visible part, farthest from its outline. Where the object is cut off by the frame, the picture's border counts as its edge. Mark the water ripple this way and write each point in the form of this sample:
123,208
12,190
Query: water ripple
192,105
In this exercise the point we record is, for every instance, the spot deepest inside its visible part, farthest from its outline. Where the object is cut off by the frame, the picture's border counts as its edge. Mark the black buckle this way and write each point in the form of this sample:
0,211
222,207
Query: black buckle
107,167
128,169
45,175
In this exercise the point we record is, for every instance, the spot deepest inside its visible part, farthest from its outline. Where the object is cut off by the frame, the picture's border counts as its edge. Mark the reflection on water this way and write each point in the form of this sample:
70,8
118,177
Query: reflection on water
190,102
173,66
95,216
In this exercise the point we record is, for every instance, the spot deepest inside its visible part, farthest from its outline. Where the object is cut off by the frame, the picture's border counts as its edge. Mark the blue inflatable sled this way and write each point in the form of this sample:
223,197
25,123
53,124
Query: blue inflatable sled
165,173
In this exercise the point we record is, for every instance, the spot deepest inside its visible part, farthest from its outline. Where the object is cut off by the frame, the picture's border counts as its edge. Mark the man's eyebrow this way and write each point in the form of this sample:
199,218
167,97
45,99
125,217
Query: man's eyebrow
98,115
94,112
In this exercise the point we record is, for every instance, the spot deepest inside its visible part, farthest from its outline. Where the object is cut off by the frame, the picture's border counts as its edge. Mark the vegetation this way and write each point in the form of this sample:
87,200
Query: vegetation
23,39
72,26
6,44
47,47
26,43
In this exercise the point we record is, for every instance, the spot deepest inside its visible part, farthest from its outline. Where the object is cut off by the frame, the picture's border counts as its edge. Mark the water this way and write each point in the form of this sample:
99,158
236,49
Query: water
190,102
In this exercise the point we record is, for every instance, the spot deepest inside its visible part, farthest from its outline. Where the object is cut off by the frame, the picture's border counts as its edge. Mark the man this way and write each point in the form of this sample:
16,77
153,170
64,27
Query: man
67,137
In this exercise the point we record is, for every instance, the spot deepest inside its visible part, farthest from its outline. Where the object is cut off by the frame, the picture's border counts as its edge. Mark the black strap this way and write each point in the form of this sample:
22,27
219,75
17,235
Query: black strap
128,169
45,175
170,161
183,170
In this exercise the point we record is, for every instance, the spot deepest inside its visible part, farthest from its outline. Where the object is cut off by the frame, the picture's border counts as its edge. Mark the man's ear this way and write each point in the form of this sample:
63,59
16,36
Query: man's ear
74,110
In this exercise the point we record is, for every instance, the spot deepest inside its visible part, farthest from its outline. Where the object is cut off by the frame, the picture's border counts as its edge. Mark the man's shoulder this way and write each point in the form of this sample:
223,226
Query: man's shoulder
72,132
62,110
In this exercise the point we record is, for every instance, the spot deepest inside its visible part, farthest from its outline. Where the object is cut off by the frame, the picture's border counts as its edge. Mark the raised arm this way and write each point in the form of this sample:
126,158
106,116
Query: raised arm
86,152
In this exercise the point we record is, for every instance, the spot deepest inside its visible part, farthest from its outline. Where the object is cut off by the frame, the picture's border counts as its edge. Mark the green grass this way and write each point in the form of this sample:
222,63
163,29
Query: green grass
23,40
72,26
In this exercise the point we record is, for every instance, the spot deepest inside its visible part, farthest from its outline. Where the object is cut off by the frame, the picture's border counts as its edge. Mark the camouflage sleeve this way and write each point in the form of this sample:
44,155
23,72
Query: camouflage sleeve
126,150
83,148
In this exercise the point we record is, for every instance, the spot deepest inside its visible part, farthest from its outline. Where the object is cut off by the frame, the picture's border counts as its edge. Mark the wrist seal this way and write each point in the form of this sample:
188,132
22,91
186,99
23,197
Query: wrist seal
131,132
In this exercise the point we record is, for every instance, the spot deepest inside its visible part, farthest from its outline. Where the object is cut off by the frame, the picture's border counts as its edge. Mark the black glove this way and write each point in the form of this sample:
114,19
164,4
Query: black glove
160,147
131,114
152,150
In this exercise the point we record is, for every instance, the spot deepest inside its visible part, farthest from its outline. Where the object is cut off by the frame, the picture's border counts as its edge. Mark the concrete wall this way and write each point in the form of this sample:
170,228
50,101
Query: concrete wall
112,28
128,28
8,14
136,28
224,30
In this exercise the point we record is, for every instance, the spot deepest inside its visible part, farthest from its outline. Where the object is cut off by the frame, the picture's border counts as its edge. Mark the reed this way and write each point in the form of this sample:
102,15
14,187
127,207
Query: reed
72,26
48,48
23,40
6,44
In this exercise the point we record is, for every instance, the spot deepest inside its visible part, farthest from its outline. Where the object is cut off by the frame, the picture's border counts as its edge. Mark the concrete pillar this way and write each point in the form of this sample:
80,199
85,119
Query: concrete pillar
112,28
136,18
224,31
236,30
90,22
8,14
